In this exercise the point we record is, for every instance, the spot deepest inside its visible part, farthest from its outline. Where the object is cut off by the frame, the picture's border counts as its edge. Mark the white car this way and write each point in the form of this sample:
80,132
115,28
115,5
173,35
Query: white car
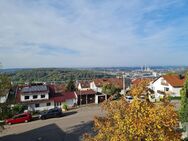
128,98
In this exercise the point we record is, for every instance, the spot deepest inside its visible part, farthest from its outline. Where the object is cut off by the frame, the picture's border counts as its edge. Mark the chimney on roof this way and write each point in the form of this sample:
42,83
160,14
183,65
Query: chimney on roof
181,76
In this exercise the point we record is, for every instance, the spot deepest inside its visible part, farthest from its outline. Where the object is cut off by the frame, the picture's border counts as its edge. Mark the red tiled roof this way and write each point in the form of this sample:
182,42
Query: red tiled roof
117,82
87,92
69,95
62,97
138,80
60,87
85,84
174,80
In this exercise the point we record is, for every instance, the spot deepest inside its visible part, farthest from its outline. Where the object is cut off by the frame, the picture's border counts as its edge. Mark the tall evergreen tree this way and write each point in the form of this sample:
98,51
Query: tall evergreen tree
71,85
184,102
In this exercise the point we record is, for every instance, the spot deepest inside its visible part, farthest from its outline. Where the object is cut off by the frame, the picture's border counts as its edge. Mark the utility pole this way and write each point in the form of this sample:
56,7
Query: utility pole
123,84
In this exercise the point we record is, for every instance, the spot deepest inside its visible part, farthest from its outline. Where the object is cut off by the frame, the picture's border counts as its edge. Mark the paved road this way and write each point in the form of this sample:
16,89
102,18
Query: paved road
68,128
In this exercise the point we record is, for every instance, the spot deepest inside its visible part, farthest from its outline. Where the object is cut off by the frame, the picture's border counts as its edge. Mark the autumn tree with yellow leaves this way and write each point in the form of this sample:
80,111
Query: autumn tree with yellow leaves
139,120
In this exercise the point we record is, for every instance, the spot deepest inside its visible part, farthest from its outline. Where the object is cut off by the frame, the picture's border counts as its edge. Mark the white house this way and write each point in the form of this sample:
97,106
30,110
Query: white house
169,85
39,97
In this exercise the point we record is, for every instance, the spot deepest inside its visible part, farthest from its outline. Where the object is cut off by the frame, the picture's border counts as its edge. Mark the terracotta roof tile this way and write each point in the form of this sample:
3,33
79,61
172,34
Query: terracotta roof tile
85,84
118,82
86,92
174,80
62,97
138,80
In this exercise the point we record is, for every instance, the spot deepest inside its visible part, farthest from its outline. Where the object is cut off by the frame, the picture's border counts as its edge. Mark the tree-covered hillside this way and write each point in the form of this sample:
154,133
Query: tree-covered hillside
54,74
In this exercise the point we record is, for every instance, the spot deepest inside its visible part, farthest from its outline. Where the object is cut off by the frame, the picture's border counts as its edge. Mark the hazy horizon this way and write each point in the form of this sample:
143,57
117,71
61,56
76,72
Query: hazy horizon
165,66
85,33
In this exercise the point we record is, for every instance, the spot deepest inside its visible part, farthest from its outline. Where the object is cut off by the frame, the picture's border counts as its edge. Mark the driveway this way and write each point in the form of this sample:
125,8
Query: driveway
70,127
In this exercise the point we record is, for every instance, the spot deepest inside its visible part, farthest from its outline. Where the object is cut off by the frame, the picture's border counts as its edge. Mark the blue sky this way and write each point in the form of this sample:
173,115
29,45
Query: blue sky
93,33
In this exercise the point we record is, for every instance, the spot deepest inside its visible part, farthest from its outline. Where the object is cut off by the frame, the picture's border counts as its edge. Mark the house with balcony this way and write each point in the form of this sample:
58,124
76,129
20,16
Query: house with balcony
168,85
39,97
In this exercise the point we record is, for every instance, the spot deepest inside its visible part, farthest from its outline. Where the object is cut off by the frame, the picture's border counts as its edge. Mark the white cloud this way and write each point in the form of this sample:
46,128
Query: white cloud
90,33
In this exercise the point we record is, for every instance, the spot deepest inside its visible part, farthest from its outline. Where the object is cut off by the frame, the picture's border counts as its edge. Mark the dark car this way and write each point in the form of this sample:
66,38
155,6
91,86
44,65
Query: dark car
25,117
55,112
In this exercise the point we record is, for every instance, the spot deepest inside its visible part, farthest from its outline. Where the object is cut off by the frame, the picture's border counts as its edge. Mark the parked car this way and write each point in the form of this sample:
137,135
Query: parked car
128,98
24,117
55,112
143,98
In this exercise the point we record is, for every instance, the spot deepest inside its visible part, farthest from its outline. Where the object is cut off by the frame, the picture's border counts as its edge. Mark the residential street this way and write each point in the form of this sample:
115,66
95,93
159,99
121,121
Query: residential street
67,128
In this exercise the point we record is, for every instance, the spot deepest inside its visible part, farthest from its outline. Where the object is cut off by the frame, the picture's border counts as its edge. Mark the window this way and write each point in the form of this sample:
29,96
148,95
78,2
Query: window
35,96
50,111
48,104
26,97
21,116
15,117
166,89
153,88
37,105
57,104
42,96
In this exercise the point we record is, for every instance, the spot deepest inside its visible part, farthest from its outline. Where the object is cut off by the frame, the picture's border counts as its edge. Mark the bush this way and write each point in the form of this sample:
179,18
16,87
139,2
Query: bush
17,109
5,111
174,98
65,107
